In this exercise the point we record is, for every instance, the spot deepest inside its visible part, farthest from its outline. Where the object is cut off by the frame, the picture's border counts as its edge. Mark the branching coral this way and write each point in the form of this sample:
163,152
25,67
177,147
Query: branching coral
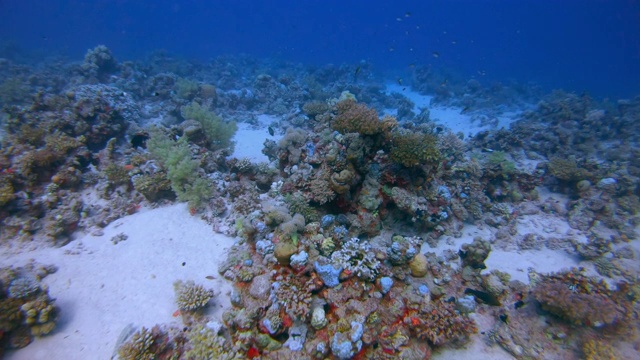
357,257
146,344
191,297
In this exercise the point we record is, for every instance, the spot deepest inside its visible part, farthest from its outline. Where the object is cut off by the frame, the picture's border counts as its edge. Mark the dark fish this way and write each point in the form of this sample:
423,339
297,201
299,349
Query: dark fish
399,81
518,304
504,318
407,14
355,74
451,300
404,88
210,277
465,110
271,131
139,139
485,297
435,54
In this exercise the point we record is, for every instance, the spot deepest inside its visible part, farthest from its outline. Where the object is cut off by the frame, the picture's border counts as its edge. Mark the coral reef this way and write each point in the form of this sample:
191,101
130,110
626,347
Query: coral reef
26,310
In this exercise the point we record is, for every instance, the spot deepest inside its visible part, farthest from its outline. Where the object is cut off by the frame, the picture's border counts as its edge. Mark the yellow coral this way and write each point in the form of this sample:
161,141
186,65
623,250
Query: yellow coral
599,350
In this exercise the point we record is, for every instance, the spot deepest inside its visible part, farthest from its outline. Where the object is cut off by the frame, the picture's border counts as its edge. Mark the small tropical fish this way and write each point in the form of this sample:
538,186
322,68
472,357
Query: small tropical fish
435,54
407,14
210,277
271,131
176,313
400,81
444,83
465,110
504,318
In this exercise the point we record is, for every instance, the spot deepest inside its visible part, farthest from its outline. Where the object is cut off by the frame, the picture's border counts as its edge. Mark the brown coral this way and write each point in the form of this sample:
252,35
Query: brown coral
414,149
439,322
356,118
578,300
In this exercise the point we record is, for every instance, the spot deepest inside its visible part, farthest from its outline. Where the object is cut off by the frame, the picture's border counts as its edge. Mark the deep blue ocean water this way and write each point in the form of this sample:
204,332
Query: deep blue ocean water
586,45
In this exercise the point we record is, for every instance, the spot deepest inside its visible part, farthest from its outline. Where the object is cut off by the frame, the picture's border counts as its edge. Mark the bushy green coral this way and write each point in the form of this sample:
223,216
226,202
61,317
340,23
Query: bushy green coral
218,132
356,118
413,149
186,89
191,297
204,344
182,171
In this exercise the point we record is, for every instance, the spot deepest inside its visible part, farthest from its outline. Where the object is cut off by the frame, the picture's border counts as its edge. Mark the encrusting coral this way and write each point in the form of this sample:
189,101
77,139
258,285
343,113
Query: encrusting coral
579,300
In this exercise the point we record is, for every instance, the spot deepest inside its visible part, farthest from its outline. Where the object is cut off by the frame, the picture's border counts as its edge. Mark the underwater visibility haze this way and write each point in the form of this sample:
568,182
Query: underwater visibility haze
319,179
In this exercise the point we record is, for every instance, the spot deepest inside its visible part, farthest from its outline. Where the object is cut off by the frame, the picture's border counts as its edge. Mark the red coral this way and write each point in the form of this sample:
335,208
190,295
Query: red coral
253,353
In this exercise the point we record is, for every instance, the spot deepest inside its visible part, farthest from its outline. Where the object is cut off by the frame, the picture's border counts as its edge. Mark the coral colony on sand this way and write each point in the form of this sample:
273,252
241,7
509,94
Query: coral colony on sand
329,261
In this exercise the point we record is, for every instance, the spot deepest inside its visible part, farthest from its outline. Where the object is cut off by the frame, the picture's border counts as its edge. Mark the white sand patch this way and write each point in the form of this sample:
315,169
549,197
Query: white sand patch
249,139
516,262
101,287
453,118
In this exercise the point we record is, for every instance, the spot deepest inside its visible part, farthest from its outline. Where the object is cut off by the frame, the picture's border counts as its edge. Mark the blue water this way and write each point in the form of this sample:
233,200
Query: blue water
587,45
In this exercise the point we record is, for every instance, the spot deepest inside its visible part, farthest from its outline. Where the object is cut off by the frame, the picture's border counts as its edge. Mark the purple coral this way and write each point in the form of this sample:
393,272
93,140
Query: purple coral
328,274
